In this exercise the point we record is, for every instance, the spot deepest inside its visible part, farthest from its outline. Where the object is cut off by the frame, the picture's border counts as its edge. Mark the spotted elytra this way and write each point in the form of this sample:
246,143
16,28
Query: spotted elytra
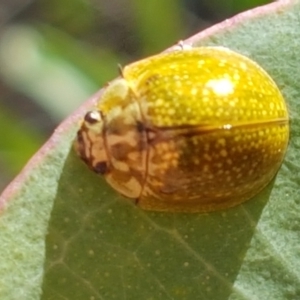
193,130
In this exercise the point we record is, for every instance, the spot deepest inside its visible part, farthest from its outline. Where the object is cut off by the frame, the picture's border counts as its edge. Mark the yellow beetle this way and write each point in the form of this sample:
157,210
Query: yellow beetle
193,130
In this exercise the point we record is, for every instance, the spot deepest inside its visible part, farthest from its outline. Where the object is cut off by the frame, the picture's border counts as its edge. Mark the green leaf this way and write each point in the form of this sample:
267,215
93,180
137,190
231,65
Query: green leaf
100,246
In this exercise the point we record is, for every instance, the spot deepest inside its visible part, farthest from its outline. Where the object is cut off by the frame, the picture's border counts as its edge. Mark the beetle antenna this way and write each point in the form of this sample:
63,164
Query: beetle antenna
120,69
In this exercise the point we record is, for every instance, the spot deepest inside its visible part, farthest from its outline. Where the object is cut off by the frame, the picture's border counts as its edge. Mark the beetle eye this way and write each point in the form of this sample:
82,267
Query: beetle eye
92,117
101,168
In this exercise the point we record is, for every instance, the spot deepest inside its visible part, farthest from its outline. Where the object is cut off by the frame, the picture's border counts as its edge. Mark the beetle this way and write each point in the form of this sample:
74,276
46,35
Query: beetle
192,130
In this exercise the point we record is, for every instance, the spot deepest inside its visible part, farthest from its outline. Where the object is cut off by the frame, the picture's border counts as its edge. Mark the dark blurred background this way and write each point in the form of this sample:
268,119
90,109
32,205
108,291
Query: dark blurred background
54,54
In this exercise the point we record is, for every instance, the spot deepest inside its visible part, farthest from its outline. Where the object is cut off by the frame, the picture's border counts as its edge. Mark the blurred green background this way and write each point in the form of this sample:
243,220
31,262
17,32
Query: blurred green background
54,54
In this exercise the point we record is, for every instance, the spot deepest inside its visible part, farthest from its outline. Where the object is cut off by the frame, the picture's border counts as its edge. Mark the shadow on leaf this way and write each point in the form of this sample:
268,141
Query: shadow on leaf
100,246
